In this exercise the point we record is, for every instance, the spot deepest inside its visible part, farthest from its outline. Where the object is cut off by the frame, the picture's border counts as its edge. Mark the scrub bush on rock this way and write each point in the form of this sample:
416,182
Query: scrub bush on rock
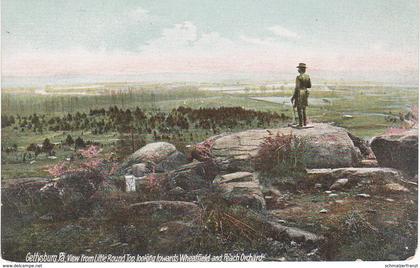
281,159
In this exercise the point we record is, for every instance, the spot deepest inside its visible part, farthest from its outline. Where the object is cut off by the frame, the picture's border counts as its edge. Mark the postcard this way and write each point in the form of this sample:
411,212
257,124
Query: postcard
137,131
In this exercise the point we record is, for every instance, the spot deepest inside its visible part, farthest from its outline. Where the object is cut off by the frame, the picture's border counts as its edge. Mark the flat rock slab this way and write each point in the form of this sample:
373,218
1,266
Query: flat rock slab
280,232
302,127
34,182
356,172
353,175
235,177
369,163
395,188
327,146
249,185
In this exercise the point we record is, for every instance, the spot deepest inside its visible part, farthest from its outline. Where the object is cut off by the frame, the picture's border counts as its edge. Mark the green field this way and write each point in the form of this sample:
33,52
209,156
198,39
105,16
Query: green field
368,111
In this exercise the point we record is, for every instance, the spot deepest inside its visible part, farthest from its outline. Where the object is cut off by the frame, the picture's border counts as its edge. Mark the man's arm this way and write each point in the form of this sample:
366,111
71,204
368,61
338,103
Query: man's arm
297,85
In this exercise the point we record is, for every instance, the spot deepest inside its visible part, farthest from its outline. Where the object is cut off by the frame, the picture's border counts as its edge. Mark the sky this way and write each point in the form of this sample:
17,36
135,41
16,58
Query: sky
372,40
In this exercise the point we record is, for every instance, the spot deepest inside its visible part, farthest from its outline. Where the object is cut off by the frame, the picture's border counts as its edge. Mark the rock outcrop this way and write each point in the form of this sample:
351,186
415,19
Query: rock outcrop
327,147
172,205
173,161
183,183
397,151
20,196
71,194
395,188
241,188
68,196
193,176
157,157
344,178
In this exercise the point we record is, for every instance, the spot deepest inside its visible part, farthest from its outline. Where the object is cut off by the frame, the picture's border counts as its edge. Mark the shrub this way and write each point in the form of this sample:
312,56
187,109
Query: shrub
281,155
410,118
79,143
202,151
47,146
408,121
225,227
91,162
69,140
356,236
80,181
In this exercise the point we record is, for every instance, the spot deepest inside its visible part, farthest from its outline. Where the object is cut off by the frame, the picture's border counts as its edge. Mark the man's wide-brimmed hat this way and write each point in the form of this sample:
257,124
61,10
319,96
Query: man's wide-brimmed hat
301,65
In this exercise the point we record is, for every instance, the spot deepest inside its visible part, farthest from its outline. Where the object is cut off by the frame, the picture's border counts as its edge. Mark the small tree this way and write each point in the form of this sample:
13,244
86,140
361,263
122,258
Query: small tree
47,146
69,140
79,143
31,147
38,151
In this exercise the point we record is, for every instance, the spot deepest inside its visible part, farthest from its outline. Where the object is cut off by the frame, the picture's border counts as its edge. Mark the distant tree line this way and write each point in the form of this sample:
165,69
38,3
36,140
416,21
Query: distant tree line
114,119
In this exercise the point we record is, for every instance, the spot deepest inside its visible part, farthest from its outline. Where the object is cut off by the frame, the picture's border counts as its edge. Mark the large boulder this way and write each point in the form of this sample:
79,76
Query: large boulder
162,156
398,151
327,147
155,152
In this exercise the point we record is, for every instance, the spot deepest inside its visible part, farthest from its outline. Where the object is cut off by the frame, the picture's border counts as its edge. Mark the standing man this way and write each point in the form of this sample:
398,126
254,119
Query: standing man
300,96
